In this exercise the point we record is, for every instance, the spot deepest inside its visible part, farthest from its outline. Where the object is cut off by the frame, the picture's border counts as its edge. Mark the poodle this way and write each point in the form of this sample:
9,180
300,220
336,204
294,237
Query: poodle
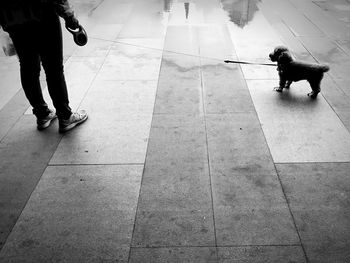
290,70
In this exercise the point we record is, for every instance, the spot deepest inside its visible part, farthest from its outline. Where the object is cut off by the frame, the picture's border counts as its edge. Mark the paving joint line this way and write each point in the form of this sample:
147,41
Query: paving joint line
220,246
207,149
144,165
94,164
311,163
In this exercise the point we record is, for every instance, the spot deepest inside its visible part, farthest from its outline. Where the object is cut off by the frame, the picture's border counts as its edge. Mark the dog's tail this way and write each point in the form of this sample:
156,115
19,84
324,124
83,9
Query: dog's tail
325,68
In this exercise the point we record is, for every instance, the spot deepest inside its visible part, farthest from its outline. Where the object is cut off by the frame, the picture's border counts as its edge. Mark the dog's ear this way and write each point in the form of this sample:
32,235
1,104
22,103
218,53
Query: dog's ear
285,58
279,49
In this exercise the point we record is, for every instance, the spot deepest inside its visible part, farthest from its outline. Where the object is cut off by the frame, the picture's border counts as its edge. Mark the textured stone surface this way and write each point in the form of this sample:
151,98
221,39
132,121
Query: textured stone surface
175,200
297,128
185,255
273,254
318,196
88,211
24,155
237,145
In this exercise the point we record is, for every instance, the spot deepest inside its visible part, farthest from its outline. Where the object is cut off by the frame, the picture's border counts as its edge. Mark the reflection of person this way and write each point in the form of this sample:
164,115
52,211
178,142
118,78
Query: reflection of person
35,30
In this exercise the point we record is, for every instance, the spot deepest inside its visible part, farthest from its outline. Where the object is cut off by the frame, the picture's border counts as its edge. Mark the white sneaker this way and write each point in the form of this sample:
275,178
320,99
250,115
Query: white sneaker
75,119
43,123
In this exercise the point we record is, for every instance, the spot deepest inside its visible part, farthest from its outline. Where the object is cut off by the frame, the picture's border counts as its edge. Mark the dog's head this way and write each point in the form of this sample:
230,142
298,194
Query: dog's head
284,58
278,51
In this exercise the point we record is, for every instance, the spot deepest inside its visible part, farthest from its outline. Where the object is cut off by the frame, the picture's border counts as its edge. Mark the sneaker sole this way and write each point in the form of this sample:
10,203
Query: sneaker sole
46,124
71,126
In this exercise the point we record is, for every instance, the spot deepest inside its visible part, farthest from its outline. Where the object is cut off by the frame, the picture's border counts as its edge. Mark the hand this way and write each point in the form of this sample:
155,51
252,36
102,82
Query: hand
72,22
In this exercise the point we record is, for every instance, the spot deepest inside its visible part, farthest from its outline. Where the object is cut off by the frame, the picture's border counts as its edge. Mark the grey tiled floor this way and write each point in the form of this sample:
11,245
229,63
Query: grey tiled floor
184,158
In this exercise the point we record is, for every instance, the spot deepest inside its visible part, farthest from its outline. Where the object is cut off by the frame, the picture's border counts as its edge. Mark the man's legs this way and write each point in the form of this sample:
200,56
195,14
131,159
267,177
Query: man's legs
24,38
51,52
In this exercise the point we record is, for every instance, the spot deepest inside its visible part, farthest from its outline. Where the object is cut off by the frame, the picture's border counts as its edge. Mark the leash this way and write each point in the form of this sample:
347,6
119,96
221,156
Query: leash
249,63
174,52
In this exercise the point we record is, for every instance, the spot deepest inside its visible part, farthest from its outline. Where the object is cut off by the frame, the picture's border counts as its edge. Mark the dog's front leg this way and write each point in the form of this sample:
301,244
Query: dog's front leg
282,82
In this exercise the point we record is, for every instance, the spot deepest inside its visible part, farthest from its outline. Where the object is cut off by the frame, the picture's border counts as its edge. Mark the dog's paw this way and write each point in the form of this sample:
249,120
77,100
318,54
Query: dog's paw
278,89
313,94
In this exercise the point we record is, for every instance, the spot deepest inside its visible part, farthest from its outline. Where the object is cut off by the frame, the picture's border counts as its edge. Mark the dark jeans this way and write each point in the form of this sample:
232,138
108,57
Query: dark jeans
37,42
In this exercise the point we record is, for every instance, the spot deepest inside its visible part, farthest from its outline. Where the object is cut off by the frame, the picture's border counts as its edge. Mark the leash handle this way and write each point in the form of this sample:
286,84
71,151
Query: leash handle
79,35
249,63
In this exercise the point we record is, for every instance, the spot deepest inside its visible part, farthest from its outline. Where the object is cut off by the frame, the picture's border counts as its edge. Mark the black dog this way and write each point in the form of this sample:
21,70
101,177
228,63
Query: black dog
290,70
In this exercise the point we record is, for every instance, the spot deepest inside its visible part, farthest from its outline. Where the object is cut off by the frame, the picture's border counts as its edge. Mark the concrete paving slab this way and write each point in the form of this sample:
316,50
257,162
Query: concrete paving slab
104,140
333,92
252,72
12,112
344,44
173,188
298,129
316,185
10,79
259,52
110,11
159,228
182,39
251,210
338,9
215,42
343,85
126,99
179,85
345,118
237,146
297,22
317,194
254,226
247,191
104,31
254,254
184,255
99,226
125,62
244,213
177,140
24,154
325,22
224,88
175,206
151,43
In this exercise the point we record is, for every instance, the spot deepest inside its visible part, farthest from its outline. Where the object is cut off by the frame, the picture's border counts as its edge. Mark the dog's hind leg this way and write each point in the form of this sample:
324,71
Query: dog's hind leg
315,86
289,82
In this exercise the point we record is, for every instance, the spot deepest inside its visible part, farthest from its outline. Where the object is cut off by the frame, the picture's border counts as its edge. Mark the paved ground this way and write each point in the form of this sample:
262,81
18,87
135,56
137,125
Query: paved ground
184,158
